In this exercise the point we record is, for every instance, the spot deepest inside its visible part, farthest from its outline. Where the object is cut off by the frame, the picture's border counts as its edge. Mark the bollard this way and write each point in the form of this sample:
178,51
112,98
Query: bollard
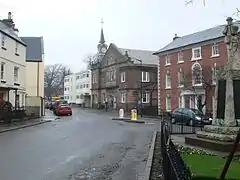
133,114
121,113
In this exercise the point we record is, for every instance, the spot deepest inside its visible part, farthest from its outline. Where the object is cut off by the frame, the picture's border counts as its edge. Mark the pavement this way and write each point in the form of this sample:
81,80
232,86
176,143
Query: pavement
86,145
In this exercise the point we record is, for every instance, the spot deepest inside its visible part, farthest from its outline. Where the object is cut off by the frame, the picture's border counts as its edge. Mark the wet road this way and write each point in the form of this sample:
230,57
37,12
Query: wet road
87,145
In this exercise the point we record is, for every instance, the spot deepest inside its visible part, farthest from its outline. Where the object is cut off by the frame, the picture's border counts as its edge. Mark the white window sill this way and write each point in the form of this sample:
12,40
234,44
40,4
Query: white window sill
123,81
168,64
180,62
123,102
195,59
216,55
167,87
180,86
145,102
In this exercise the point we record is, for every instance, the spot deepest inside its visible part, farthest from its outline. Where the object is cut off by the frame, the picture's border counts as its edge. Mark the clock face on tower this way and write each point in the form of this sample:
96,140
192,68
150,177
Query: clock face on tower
103,49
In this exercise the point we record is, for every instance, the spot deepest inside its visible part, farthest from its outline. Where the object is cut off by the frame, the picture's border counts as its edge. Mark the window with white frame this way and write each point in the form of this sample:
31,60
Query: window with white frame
123,97
123,77
196,74
3,38
77,77
215,50
16,74
180,101
145,76
168,103
77,96
168,80
145,97
196,53
180,57
2,71
94,78
114,74
180,78
16,48
167,60
214,73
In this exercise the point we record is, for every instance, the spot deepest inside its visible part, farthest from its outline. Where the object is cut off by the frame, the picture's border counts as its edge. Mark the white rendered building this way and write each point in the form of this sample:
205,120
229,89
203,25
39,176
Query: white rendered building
77,88
12,64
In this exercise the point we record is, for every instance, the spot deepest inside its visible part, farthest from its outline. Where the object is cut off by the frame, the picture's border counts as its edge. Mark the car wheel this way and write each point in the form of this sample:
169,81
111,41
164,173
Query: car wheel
173,120
70,114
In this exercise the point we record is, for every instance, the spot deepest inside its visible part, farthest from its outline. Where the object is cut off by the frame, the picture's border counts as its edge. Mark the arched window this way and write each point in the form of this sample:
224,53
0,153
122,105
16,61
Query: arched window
196,74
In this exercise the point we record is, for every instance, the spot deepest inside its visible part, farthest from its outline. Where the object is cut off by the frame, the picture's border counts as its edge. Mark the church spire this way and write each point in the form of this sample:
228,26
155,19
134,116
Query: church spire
102,39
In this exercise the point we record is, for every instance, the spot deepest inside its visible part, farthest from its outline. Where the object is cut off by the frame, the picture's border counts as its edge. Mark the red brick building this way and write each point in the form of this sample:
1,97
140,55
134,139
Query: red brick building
187,70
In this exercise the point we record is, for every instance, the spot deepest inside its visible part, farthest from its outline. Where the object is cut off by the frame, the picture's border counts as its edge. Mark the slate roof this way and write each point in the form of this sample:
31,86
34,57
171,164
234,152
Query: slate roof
146,56
198,37
35,48
9,32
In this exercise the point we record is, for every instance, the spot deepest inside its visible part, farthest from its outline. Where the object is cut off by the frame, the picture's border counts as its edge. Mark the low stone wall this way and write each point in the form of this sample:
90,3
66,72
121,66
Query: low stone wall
33,111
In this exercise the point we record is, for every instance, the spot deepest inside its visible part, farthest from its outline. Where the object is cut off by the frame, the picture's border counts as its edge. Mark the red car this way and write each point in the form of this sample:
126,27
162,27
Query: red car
63,109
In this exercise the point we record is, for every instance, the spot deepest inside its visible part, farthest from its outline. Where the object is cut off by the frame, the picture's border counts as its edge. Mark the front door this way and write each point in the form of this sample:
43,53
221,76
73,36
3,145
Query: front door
187,100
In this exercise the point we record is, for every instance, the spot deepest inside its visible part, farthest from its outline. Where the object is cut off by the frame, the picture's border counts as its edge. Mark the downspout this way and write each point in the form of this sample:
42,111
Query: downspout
37,78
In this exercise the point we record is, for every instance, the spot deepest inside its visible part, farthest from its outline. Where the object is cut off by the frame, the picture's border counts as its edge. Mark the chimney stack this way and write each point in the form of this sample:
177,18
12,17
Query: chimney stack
175,37
9,22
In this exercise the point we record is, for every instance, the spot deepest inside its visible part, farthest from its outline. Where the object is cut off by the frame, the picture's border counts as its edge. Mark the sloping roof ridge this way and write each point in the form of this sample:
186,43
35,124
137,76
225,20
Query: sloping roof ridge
137,49
201,31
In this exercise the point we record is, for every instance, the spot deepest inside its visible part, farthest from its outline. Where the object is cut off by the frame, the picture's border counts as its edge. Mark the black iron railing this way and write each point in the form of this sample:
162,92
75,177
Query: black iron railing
174,167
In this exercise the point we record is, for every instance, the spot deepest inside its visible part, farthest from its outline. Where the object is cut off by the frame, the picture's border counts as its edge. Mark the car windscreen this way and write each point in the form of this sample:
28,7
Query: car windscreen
63,105
197,112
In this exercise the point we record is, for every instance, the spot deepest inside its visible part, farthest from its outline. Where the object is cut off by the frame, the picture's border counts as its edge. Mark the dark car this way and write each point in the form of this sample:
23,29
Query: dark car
189,117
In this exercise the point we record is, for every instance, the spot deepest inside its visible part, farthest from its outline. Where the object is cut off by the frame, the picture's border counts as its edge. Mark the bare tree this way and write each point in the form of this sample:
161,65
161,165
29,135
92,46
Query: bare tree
205,78
90,59
54,79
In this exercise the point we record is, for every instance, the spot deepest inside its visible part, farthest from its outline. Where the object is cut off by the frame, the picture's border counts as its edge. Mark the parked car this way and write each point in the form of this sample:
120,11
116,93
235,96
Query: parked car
63,109
189,117
47,104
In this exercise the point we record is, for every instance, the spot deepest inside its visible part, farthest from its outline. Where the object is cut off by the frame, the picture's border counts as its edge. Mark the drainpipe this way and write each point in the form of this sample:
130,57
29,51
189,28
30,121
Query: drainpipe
37,78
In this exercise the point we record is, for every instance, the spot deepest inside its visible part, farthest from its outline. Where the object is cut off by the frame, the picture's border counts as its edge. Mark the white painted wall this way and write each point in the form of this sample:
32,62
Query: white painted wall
76,85
11,60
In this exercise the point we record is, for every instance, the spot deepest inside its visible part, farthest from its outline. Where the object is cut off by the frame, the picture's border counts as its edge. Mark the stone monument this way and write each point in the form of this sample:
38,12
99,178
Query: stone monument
221,134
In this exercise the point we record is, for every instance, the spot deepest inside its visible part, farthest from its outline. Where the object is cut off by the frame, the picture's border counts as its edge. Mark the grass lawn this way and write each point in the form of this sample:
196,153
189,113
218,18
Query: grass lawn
210,166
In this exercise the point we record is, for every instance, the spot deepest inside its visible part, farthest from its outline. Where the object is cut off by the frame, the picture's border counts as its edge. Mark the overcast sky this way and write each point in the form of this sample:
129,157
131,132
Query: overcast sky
71,28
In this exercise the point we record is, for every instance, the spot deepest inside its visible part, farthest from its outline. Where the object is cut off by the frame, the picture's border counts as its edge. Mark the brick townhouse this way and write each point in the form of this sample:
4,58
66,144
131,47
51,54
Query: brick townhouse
187,69
117,74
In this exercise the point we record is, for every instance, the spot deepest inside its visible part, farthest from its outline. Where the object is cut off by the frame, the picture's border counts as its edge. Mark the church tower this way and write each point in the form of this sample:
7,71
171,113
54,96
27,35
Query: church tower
102,46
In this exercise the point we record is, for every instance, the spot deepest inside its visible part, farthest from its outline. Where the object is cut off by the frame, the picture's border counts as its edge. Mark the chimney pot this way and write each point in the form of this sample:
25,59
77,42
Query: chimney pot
175,36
